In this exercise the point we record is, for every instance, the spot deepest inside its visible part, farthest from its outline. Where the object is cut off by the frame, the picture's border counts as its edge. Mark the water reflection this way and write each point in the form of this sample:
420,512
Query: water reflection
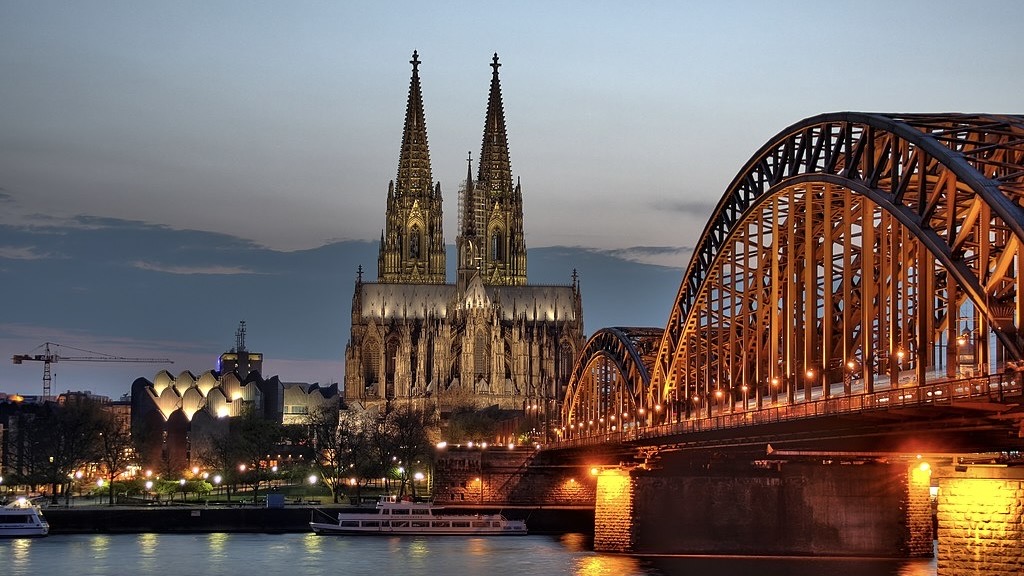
308,555
607,565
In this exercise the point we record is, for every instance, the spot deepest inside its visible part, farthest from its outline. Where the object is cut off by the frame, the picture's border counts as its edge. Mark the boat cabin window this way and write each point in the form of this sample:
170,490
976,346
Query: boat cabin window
350,523
420,512
401,511
15,519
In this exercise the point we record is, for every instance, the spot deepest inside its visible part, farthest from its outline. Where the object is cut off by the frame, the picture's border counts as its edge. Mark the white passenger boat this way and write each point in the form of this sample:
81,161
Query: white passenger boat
21,519
395,518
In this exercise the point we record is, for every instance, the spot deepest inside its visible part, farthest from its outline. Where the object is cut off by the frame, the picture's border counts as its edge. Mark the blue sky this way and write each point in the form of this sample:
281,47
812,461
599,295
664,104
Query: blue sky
266,133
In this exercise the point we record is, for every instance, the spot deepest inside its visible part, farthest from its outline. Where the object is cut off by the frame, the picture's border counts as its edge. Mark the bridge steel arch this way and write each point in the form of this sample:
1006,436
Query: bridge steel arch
611,374
853,250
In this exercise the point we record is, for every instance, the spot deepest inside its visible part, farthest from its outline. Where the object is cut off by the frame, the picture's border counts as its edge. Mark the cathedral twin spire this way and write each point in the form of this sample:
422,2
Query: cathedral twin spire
490,240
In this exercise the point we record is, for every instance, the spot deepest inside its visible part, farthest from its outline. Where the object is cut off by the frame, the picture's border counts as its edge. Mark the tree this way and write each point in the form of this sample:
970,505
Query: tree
217,450
67,440
256,439
413,434
468,424
115,450
340,445
241,450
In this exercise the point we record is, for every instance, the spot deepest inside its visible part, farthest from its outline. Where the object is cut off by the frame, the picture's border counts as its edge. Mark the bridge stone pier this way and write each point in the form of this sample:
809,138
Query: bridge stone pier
828,507
980,520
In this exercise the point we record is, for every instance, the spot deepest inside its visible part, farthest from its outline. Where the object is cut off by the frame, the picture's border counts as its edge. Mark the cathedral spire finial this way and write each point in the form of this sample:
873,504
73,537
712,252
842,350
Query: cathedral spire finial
495,64
416,61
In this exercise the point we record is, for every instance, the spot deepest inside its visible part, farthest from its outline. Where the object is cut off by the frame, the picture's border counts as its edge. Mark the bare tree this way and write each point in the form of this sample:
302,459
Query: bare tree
65,438
413,434
115,450
341,445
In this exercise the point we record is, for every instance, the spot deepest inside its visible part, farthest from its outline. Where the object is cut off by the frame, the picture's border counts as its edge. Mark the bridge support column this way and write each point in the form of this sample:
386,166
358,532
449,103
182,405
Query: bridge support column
981,521
614,526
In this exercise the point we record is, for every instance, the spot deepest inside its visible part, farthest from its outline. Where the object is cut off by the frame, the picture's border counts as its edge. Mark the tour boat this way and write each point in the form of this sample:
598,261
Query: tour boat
21,519
394,517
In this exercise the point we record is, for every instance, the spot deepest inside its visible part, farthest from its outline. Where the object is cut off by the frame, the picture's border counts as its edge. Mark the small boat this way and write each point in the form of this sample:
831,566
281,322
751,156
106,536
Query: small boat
21,519
394,517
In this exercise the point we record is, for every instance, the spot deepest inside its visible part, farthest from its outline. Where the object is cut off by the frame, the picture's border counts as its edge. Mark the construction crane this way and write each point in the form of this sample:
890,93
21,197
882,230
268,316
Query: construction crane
50,356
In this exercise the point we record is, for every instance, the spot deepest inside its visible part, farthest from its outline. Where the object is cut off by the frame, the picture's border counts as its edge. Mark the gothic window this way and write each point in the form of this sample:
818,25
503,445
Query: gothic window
565,360
456,365
497,251
390,367
371,363
480,355
414,242
508,361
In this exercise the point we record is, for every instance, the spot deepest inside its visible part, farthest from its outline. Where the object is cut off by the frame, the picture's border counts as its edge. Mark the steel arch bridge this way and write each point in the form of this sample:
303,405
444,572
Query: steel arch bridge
854,252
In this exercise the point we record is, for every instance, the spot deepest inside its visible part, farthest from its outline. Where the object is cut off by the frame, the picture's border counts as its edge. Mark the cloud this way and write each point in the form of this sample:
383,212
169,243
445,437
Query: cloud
671,256
190,270
25,253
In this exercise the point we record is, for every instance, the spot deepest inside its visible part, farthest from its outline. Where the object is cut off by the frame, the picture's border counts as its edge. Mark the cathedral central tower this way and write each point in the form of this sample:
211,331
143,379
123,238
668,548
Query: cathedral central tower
412,249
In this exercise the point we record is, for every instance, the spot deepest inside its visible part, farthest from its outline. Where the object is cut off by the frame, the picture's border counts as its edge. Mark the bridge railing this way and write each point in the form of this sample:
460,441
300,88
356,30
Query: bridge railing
993,388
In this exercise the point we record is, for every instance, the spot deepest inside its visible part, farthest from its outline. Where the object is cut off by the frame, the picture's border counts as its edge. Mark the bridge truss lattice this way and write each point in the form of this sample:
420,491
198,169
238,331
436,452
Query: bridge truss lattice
853,252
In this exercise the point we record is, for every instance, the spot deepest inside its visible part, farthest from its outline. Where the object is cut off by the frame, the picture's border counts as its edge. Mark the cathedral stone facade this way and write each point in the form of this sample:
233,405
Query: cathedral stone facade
487,339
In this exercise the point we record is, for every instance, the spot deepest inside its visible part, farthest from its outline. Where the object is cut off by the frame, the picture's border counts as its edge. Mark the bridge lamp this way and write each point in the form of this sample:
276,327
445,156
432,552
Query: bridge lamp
810,374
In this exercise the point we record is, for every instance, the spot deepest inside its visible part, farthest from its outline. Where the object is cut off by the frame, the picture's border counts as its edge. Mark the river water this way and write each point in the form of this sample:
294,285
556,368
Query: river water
222,554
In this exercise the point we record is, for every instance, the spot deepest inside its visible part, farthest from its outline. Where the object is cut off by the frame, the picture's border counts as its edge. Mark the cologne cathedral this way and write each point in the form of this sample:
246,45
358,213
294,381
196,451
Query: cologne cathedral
489,338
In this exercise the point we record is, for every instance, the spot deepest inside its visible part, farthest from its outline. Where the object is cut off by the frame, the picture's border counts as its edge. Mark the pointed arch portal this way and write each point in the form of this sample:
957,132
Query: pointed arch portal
854,252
